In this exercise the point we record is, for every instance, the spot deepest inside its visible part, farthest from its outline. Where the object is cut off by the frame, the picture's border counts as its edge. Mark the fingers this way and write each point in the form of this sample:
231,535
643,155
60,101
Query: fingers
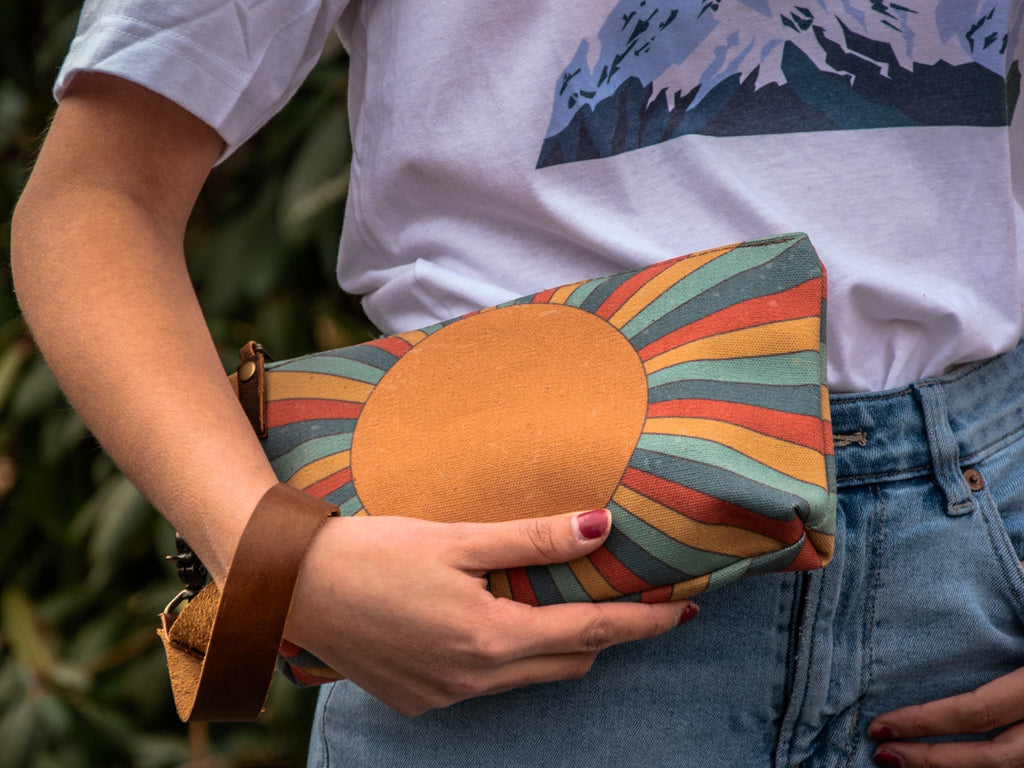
993,705
592,627
534,541
1006,750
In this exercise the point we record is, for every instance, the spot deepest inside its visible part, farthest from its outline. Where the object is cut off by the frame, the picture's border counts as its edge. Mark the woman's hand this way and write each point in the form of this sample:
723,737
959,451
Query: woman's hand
993,705
400,607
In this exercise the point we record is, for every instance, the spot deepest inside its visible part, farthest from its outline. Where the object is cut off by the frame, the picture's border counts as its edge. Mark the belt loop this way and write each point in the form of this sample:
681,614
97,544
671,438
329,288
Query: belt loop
945,452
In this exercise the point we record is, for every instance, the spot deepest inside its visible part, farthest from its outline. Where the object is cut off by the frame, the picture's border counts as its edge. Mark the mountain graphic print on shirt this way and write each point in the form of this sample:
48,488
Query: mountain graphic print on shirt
658,70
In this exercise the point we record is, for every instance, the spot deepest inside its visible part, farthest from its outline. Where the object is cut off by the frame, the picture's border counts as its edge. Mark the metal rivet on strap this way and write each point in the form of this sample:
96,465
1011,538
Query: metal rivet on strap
974,479
246,371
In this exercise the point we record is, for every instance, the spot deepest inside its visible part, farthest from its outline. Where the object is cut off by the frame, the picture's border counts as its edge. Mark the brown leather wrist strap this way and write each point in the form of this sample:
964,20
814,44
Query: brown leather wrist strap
222,648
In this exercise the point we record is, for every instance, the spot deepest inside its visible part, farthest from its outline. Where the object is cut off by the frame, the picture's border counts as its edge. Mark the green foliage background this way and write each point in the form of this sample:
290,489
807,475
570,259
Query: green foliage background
82,575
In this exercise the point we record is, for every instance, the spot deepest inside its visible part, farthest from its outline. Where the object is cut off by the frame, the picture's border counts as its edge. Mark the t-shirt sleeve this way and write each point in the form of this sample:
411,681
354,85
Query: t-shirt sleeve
233,65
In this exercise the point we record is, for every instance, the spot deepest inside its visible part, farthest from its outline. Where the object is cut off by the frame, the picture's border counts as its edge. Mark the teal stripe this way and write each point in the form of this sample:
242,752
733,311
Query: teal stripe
788,369
728,574
822,515
581,294
665,548
351,506
343,368
780,560
289,463
721,456
692,285
670,551
567,583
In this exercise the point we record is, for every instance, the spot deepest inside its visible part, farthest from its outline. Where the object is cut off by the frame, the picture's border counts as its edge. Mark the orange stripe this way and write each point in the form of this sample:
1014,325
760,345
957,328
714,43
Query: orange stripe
708,509
591,580
797,461
803,300
711,537
781,338
791,427
624,292
662,282
499,585
690,587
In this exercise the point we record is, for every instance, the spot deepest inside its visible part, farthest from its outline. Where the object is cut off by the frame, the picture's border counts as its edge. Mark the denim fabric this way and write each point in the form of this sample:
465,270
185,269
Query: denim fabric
924,599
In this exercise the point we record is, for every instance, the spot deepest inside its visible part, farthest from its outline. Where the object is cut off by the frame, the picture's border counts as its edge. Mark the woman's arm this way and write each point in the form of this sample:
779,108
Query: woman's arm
100,273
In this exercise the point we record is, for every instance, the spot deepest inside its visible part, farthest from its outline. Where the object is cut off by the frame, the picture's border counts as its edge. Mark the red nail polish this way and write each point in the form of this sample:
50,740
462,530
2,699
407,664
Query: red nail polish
689,612
888,760
592,524
881,733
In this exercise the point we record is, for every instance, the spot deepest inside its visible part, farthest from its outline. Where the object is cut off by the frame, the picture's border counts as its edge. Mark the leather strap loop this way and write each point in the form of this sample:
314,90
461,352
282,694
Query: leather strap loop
222,648
252,386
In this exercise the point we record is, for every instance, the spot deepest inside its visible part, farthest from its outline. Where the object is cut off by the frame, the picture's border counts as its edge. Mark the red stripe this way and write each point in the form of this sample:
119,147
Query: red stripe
289,649
615,573
792,427
329,484
807,560
392,344
281,412
544,297
307,678
657,595
803,300
708,509
623,293
522,590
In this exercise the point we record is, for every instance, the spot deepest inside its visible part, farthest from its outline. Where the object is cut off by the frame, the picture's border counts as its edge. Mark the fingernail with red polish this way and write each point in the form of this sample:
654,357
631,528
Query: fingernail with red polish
881,733
591,525
689,612
888,760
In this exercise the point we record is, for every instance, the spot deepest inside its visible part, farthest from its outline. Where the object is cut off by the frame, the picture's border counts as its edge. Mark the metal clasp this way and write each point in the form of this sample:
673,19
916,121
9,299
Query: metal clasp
191,571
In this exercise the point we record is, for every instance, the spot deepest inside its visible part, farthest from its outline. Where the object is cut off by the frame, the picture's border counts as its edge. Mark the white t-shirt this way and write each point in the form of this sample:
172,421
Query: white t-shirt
503,148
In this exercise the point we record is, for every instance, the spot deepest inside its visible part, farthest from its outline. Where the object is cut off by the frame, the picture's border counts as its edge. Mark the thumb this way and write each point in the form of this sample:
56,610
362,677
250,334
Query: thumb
534,541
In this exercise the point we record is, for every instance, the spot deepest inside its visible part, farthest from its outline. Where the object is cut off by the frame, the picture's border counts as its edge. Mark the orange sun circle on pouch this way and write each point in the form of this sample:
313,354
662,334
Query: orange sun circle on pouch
467,413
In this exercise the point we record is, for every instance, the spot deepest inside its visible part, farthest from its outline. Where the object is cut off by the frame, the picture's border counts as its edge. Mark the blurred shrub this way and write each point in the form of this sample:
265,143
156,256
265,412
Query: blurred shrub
82,677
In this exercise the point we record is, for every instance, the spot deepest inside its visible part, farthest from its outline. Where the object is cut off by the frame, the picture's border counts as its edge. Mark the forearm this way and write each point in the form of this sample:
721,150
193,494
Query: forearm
100,274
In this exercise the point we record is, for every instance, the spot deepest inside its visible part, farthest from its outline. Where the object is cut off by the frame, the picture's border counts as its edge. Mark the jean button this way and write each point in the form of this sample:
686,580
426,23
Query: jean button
974,479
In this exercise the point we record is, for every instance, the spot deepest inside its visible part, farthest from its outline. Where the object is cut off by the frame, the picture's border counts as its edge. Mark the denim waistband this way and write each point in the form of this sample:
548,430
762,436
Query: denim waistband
956,418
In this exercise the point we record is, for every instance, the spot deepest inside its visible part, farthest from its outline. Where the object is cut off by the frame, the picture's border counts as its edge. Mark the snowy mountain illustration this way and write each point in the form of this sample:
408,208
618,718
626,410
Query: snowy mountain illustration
660,70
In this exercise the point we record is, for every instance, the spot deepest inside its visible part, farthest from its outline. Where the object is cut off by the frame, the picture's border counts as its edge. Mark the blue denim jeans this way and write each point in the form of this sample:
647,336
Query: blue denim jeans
923,599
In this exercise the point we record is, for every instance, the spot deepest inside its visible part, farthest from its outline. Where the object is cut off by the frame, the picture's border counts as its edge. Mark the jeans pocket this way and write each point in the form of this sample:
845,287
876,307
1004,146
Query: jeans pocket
1000,505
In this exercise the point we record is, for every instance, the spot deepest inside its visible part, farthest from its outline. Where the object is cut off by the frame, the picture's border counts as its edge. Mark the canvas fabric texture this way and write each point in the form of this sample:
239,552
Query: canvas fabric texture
686,397
500,148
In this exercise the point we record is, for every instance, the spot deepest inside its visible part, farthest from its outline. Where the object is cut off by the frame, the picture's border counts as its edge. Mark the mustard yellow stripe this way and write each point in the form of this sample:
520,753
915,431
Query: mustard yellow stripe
413,337
319,469
689,588
791,459
361,513
591,580
500,585
562,294
826,411
725,539
823,544
779,338
285,385
661,283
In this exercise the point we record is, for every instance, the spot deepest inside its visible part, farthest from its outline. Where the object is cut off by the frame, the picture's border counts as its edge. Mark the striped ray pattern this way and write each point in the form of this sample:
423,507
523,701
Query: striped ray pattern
733,473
